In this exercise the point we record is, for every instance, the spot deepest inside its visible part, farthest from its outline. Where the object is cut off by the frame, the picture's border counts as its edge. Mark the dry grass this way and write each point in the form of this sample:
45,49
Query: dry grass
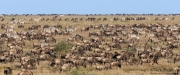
44,69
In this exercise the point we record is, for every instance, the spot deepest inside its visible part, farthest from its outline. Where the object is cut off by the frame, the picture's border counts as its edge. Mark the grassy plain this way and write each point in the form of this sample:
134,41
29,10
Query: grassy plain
44,69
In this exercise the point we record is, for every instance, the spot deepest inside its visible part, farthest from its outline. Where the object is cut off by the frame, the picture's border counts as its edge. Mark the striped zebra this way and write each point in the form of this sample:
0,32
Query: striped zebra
37,19
21,21
70,29
11,24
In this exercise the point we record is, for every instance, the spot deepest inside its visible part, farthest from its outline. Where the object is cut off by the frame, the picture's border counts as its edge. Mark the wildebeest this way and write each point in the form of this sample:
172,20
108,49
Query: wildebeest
8,71
108,45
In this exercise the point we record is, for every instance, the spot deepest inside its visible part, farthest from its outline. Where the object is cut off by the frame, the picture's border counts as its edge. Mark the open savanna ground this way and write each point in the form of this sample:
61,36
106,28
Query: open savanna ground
161,48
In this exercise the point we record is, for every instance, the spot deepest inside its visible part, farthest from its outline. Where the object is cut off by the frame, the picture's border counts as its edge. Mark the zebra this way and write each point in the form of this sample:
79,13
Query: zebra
12,22
70,29
21,21
37,19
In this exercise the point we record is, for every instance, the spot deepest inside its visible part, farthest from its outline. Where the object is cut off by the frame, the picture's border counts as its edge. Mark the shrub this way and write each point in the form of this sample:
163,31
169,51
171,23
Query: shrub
81,71
75,21
62,48
133,49
75,72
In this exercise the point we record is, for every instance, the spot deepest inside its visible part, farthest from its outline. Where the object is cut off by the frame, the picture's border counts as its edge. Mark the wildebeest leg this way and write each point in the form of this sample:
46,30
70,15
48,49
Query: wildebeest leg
60,70
174,60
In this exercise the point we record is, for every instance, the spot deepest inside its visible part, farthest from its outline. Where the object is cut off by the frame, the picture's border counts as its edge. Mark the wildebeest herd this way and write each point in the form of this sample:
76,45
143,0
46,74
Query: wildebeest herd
28,43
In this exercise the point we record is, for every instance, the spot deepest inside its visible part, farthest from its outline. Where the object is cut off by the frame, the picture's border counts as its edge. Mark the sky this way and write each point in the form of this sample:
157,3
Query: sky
89,6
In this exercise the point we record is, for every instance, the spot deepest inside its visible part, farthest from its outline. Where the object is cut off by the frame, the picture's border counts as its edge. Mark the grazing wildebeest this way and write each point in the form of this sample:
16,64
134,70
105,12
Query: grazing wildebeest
20,26
8,71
